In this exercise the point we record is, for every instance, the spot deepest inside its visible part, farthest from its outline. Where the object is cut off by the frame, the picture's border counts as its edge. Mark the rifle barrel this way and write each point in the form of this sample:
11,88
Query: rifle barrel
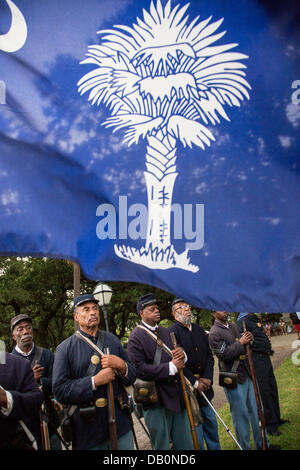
187,401
257,397
44,432
112,414
221,420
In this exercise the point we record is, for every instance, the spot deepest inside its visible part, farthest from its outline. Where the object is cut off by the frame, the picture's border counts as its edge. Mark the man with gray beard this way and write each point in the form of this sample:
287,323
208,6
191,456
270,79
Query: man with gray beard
199,369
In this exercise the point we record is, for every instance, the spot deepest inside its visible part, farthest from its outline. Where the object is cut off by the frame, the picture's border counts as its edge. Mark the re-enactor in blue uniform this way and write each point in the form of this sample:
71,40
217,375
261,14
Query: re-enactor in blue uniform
199,369
261,352
228,344
76,382
168,418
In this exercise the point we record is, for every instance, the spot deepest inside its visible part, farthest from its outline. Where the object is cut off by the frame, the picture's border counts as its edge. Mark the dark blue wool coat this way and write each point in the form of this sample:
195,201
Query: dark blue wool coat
72,386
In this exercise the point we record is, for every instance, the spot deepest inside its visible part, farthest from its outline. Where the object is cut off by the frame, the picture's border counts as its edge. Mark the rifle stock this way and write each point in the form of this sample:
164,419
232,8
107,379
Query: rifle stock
187,401
257,397
44,424
112,422
44,431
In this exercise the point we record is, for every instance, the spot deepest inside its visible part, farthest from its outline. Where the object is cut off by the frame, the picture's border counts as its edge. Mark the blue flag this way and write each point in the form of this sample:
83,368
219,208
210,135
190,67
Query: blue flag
156,142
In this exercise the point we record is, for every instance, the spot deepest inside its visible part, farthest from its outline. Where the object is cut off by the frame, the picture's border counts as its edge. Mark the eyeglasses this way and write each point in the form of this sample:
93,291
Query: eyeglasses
183,307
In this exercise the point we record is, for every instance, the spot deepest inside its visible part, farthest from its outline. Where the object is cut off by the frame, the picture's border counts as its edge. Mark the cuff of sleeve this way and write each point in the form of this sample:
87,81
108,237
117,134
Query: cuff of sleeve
185,357
93,384
172,368
10,402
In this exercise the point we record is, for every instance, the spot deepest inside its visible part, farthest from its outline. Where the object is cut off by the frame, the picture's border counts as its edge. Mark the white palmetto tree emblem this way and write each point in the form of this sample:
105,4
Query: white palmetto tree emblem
164,80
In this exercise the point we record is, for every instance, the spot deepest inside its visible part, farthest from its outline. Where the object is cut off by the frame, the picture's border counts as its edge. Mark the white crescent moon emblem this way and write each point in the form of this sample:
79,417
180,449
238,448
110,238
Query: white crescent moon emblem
16,37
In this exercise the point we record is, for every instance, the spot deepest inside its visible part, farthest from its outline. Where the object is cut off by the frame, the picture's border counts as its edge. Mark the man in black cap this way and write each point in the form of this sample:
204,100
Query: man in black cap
199,369
166,418
81,377
41,361
261,355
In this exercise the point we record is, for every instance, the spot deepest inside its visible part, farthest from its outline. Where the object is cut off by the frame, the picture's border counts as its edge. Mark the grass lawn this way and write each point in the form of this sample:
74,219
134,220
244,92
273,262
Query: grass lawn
288,382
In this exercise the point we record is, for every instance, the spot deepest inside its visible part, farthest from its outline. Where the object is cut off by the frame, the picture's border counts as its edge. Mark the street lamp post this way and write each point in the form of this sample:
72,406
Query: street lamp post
103,293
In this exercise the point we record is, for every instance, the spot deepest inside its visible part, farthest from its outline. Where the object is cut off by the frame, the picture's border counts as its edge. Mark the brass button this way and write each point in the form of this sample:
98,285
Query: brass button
95,359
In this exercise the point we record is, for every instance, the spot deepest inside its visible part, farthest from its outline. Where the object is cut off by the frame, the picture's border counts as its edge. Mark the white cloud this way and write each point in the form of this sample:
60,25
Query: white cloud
260,145
285,140
201,188
293,114
271,220
232,224
9,197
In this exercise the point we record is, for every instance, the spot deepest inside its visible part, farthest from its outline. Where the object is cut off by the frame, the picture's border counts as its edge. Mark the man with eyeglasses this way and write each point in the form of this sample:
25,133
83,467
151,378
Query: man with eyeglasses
199,369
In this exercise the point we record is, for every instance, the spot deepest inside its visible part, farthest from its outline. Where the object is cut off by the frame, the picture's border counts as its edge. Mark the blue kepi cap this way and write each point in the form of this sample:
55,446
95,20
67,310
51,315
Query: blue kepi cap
81,299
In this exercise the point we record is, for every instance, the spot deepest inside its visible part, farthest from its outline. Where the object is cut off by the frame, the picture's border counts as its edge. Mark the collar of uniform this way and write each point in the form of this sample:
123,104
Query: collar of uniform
218,323
152,328
25,354
92,338
184,326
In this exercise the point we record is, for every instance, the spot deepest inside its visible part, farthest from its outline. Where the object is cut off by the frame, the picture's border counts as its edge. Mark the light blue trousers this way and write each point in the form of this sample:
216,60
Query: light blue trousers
208,431
244,412
164,425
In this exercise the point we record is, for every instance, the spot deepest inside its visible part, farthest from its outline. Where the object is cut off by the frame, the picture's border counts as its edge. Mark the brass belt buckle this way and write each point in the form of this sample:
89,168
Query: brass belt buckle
101,402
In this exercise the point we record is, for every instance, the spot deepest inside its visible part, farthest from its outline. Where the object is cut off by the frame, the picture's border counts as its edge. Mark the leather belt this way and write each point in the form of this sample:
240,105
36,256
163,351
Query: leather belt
262,354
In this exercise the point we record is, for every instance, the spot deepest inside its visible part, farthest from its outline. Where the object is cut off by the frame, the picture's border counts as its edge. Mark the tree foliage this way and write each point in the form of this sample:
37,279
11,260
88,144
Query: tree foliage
44,289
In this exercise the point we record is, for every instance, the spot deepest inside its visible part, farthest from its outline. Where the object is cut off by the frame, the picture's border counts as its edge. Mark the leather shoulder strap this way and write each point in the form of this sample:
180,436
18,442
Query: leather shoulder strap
158,352
37,356
233,329
154,337
92,367
237,361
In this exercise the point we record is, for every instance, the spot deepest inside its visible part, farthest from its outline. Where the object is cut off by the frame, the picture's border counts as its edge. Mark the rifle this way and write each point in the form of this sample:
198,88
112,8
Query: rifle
112,422
257,397
43,423
221,420
51,411
44,430
187,401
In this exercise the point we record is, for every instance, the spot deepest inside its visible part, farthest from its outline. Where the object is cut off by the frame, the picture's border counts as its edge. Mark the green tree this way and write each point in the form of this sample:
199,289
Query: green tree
43,288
